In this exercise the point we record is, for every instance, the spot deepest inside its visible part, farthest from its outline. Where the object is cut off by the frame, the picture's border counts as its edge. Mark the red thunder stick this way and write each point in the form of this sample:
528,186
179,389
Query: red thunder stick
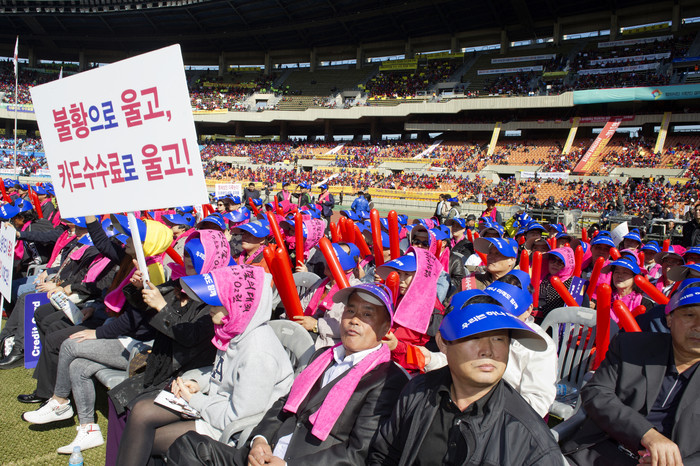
638,310
393,220
615,254
361,243
37,204
602,330
521,240
666,245
174,255
641,259
269,255
651,291
253,207
584,235
563,292
438,249
525,261
349,234
392,282
333,263
535,277
470,237
6,197
285,284
626,320
299,238
275,204
275,228
595,274
376,238
334,232
341,228
578,260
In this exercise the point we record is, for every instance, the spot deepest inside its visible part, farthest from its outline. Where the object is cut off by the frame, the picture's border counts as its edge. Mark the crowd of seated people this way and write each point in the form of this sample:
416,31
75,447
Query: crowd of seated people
510,84
406,83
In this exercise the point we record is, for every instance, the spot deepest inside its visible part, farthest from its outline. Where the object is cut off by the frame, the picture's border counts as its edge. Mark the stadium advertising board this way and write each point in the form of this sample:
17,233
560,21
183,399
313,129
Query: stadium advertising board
629,94
544,175
121,138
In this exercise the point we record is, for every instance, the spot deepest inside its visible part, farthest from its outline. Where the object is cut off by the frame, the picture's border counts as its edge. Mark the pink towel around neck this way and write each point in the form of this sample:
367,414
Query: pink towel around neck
239,288
95,269
65,238
416,306
19,245
315,229
337,398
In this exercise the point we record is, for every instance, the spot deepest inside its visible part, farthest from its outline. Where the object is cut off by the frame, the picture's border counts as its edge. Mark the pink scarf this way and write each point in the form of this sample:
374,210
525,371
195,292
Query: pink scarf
96,268
19,246
314,232
326,304
115,299
217,252
79,252
568,270
239,288
416,306
632,300
65,238
337,398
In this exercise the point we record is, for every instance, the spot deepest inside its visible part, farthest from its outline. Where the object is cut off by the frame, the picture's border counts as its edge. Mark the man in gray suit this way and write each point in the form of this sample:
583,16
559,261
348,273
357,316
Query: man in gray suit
643,403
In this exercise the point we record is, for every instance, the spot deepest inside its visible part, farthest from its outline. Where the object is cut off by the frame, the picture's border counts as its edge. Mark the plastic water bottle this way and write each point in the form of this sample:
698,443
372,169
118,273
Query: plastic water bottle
564,390
76,458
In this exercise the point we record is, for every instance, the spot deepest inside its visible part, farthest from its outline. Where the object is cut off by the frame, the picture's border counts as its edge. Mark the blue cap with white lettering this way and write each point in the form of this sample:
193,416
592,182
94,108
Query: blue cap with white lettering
201,288
474,319
512,298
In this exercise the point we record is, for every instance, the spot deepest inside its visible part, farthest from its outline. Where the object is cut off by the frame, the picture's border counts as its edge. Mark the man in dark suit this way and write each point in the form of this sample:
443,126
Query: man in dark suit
335,405
643,403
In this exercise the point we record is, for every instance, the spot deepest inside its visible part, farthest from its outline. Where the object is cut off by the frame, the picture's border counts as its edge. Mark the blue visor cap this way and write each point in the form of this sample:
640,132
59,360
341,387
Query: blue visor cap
238,216
685,295
557,254
523,278
404,263
195,249
256,229
79,222
178,219
350,214
256,202
185,209
121,224
324,186
201,288
556,226
626,263
633,235
603,239
40,191
347,261
439,234
459,221
22,186
364,215
681,272
459,299
122,238
235,199
452,199
512,298
23,205
108,228
403,219
292,226
384,223
693,250
474,319
50,190
563,235
535,226
505,246
86,240
9,183
374,293
214,219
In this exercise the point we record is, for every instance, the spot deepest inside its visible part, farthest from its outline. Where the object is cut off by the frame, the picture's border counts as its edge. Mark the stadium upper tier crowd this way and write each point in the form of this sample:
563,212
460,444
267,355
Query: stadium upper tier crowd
410,342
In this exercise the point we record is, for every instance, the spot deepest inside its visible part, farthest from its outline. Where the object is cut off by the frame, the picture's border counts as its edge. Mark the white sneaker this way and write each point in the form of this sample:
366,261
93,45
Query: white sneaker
89,436
52,411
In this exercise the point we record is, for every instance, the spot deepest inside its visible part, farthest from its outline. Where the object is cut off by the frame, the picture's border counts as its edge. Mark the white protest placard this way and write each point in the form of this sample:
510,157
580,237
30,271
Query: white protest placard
8,237
619,231
222,189
121,138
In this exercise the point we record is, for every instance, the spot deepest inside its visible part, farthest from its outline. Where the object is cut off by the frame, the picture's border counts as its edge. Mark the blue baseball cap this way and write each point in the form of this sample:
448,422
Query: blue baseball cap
122,238
535,226
347,260
505,246
474,319
213,219
563,235
238,216
255,228
364,214
22,186
523,278
693,250
459,299
405,263
180,219
292,225
80,222
121,225
195,249
686,295
201,288
403,219
439,234
459,221
512,298
627,263
23,205
603,239
39,190
374,293
235,199
185,209
324,186
350,214
633,235
681,272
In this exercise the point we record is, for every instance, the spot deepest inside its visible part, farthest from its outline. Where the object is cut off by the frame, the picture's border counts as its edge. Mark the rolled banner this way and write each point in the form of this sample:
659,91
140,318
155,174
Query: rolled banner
361,243
275,229
651,291
578,260
602,328
595,275
639,310
535,278
584,235
376,238
333,263
299,238
470,237
563,292
284,281
174,255
666,245
525,261
334,232
641,259
625,318
393,220
253,207
392,282
615,254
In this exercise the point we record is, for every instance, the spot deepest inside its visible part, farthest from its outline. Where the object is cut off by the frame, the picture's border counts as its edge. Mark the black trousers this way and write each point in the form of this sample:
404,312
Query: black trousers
196,449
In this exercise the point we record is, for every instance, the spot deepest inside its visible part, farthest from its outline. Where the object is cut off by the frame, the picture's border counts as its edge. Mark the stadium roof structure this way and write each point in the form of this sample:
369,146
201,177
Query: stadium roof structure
59,29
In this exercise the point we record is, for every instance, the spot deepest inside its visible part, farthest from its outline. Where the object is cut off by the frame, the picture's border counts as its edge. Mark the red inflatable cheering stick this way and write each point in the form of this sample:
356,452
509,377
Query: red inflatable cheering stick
361,243
525,261
626,320
376,238
392,282
602,332
333,263
563,292
651,291
536,277
595,274
578,260
393,220
299,238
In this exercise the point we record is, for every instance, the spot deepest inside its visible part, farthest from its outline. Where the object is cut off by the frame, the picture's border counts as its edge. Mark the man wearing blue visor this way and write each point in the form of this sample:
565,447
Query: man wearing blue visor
465,413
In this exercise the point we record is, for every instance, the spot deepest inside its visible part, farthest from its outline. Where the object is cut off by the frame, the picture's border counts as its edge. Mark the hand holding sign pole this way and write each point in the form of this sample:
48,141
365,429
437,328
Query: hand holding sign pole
138,247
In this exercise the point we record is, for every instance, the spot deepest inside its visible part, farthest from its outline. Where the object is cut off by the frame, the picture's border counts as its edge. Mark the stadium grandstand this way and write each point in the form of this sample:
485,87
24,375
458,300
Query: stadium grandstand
579,112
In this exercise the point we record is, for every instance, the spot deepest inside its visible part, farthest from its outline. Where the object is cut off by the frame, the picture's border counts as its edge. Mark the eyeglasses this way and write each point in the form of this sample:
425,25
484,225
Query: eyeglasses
417,242
220,204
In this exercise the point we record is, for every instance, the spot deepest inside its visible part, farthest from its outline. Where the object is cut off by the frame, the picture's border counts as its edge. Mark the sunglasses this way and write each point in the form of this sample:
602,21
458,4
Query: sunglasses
417,242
